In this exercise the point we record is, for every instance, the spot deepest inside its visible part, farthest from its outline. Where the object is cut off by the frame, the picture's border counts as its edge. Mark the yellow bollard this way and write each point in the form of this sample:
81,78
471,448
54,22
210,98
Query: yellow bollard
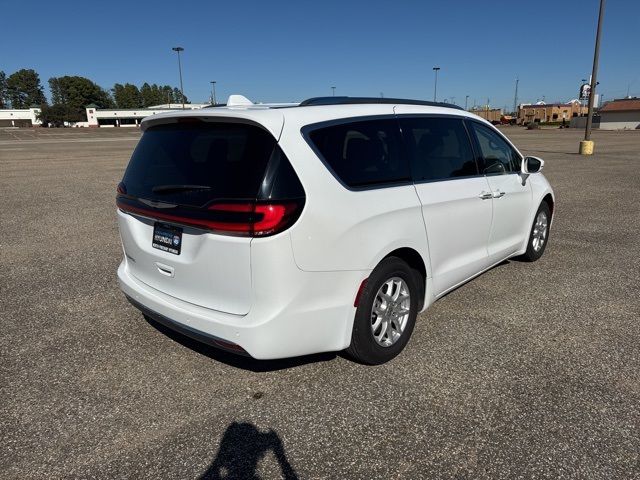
586,147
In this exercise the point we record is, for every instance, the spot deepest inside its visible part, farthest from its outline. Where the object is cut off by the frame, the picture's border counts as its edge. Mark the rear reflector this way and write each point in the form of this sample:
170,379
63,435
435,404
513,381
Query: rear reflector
234,347
356,302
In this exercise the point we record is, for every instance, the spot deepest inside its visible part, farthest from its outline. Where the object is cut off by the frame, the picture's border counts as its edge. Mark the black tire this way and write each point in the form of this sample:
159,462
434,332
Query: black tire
364,348
532,254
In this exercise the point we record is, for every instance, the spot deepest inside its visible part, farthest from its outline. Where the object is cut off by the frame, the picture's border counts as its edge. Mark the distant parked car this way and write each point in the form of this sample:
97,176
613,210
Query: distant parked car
276,232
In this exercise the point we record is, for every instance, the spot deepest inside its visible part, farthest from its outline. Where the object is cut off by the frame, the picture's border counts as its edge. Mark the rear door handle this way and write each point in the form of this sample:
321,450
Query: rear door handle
485,195
499,194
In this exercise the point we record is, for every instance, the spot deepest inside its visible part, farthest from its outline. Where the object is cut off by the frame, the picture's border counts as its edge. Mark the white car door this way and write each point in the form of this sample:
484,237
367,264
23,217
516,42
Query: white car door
512,196
455,197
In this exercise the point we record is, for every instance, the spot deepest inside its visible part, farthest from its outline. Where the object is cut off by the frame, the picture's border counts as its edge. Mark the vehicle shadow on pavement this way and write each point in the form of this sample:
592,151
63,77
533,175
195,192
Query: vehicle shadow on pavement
239,361
242,447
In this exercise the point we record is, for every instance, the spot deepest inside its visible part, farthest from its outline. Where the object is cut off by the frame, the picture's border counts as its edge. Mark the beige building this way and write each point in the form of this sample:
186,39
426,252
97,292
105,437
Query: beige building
622,114
492,115
550,112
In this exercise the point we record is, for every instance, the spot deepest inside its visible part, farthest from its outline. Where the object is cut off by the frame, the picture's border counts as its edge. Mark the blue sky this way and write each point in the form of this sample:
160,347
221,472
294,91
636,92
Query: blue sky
291,50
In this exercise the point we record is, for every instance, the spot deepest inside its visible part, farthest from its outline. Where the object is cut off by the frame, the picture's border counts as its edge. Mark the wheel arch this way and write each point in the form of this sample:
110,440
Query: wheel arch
416,262
548,199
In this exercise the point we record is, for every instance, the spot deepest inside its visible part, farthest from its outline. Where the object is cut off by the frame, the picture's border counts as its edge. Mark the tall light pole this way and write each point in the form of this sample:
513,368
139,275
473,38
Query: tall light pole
435,86
333,91
515,98
213,92
586,146
178,50
466,101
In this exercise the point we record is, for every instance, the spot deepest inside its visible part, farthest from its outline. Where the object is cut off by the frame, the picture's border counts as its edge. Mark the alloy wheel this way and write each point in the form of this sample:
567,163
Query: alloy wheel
390,312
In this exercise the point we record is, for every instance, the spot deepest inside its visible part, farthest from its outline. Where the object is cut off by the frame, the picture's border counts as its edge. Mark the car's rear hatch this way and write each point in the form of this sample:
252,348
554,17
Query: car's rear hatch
190,202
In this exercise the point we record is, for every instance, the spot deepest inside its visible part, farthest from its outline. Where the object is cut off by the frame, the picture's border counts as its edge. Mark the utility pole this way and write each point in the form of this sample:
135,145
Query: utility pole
333,91
515,98
178,50
213,92
586,146
435,86
466,101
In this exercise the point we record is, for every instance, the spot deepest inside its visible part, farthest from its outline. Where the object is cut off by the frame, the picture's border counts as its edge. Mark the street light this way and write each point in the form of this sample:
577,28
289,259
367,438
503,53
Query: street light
586,146
466,101
213,92
435,87
333,91
178,50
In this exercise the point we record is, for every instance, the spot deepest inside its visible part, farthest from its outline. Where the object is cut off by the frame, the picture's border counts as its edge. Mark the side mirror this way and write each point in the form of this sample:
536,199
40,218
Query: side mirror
532,165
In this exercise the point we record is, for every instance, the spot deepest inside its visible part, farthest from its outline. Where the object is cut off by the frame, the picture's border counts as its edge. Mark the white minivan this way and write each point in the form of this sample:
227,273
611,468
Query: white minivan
276,231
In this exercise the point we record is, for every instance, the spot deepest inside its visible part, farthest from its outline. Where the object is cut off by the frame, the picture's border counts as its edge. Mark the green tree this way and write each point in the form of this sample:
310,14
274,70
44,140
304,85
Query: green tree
147,95
127,96
3,90
167,94
75,93
55,114
24,89
159,95
177,96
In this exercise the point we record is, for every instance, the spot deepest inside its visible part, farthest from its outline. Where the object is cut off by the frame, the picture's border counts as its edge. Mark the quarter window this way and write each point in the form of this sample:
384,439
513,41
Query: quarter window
498,156
363,153
439,148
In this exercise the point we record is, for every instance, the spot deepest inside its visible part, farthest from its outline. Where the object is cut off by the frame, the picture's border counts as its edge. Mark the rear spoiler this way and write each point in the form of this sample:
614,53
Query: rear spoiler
271,120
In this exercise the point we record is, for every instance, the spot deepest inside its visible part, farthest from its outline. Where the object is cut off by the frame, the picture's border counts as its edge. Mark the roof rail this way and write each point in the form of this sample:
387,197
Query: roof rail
360,100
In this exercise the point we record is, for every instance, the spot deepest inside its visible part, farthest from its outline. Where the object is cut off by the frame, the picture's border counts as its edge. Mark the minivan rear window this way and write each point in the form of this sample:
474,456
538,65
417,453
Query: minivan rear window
196,162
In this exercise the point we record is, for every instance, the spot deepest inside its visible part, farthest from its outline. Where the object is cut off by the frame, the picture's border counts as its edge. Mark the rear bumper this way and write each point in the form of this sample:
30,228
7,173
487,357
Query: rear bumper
316,315
185,330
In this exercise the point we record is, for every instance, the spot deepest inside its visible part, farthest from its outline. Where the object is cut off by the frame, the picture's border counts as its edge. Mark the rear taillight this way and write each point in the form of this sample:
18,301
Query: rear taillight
260,219
245,219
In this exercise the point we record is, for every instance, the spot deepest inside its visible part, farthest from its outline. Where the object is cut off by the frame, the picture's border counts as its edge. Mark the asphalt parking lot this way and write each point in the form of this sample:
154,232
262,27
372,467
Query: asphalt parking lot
529,371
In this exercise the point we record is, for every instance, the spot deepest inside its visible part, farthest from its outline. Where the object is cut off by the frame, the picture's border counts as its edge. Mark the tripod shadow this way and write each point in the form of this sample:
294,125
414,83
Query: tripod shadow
241,449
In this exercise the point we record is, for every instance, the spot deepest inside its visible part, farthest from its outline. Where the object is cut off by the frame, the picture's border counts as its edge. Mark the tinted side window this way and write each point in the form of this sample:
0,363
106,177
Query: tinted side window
499,158
439,148
363,153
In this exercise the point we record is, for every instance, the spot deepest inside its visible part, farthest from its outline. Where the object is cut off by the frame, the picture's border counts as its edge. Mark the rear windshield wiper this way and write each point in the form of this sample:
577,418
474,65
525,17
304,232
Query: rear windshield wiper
178,188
